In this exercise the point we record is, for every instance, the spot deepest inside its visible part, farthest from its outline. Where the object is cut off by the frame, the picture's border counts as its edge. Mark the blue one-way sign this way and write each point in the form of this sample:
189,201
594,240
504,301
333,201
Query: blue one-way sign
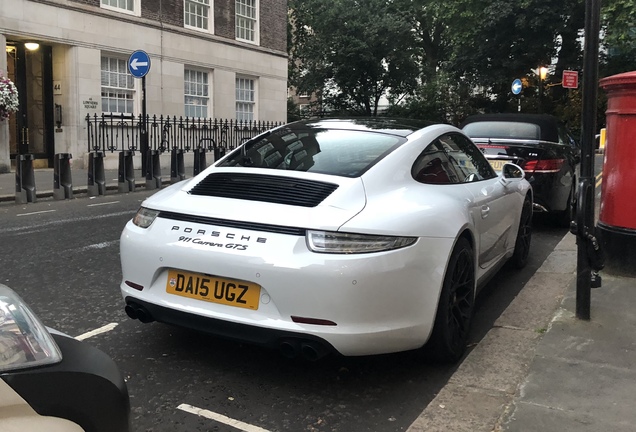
517,86
139,64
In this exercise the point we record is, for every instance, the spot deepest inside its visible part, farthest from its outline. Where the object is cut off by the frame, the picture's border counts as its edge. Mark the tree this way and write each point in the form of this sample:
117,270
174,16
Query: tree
352,53
495,41
443,60
619,28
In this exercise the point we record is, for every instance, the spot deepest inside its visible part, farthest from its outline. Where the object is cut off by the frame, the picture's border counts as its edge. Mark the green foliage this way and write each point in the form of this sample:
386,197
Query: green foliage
293,111
352,53
619,26
442,60
442,99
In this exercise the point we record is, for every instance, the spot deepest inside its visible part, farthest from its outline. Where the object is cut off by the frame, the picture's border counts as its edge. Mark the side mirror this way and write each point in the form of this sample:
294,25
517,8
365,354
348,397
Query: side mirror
511,173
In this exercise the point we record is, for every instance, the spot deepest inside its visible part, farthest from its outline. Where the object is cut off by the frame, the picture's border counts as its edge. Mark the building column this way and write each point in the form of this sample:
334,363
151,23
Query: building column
5,159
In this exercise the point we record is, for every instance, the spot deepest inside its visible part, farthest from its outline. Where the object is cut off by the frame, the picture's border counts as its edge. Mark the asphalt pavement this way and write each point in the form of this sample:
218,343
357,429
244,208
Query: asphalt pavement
538,369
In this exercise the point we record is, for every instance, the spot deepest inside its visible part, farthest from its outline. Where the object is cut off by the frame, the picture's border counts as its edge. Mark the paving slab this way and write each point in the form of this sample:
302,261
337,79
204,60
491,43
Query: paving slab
583,375
533,418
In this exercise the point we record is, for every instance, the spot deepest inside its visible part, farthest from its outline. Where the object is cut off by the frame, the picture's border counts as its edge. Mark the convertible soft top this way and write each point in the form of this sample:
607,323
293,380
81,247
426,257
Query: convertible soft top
548,124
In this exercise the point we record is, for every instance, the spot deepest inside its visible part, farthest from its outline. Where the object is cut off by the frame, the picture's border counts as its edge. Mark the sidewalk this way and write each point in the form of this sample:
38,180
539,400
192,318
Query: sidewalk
582,377
542,369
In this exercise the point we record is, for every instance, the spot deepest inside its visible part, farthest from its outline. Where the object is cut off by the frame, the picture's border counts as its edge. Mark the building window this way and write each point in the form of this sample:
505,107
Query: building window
118,86
245,100
196,93
127,6
247,20
196,14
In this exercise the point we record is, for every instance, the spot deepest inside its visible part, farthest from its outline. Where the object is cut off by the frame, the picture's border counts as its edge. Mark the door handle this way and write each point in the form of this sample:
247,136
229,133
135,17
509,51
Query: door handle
485,210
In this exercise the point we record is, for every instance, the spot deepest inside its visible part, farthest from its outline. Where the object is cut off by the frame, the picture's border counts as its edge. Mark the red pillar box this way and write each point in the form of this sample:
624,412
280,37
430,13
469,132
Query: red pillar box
617,221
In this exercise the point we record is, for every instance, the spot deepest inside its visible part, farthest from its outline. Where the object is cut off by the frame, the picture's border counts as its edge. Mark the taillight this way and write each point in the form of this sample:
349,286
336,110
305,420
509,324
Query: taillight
543,166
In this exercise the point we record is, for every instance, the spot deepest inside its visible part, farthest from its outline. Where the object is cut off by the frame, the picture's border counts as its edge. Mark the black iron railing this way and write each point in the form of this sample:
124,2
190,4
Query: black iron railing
113,133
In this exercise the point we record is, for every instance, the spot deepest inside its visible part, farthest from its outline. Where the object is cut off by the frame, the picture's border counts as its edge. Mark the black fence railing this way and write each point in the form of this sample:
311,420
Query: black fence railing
174,135
112,133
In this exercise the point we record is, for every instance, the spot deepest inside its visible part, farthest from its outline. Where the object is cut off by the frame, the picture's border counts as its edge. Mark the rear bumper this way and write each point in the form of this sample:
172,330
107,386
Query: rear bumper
267,337
550,191
86,387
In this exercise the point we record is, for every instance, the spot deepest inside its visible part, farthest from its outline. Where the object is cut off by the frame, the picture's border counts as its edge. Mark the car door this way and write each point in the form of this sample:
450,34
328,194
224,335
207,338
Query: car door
492,207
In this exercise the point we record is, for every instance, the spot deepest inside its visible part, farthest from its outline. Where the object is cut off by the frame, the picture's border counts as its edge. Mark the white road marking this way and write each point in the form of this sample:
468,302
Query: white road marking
104,329
101,245
34,213
220,418
40,226
102,204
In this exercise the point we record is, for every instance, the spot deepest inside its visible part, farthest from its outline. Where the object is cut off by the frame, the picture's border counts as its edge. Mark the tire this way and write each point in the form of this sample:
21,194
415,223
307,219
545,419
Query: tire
524,236
565,217
448,340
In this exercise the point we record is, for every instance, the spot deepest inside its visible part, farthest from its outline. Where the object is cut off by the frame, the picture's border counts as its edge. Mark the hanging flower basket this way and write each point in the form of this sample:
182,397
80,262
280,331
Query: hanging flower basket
9,102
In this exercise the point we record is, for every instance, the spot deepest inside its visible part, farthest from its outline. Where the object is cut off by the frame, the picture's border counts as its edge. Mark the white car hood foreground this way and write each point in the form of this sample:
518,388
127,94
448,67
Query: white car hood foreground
339,207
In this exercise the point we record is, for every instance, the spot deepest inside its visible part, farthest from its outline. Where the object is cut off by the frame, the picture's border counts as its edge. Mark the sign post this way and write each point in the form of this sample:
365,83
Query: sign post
585,226
139,66
516,88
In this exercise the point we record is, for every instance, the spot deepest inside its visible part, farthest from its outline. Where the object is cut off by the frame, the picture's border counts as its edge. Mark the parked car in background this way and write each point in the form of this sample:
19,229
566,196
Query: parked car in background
350,236
542,146
50,382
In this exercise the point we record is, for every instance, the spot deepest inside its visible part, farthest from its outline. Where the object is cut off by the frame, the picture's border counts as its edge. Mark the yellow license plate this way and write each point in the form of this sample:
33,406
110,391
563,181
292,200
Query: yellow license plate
213,289
497,164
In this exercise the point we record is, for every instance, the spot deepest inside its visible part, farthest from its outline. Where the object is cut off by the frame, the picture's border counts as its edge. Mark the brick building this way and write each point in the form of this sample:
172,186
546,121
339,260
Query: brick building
208,59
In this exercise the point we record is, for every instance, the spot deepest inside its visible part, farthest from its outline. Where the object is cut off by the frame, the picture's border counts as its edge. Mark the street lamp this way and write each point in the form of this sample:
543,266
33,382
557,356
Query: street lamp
542,73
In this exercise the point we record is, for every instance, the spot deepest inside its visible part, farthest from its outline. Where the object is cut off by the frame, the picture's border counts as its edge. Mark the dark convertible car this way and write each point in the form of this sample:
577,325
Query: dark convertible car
542,146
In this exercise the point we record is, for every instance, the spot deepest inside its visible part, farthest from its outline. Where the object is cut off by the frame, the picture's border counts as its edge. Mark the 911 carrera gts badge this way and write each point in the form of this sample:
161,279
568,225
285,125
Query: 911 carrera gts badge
203,242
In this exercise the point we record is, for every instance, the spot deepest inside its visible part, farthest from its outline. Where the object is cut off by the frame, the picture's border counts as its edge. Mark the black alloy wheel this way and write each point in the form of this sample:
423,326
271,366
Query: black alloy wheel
524,236
455,309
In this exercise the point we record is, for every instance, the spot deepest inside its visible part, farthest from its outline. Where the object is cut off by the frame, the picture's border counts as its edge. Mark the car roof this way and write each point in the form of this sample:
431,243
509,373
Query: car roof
388,125
547,123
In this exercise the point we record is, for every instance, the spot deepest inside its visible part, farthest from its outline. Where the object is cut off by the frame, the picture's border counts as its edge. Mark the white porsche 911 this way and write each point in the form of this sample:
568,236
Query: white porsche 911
354,236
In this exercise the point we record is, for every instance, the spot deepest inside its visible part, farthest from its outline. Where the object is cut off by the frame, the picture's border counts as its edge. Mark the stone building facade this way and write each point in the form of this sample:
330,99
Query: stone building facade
208,59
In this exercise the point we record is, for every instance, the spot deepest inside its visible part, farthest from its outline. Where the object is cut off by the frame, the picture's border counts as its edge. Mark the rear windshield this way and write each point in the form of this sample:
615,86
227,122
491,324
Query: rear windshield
347,153
503,129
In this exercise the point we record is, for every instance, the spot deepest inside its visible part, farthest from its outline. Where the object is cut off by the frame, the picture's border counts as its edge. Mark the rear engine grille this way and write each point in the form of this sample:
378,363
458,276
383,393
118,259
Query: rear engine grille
266,188
252,226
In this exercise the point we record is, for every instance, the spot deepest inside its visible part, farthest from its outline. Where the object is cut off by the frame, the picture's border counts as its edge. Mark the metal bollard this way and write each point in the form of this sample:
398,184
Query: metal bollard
24,179
62,179
126,173
177,165
199,161
96,176
153,168
219,152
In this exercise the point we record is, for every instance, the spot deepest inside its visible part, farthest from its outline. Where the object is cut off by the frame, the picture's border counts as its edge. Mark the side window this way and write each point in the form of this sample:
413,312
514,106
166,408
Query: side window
468,161
566,138
433,166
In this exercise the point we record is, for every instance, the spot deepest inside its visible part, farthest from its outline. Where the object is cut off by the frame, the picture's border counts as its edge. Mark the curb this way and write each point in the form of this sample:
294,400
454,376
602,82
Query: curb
480,393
